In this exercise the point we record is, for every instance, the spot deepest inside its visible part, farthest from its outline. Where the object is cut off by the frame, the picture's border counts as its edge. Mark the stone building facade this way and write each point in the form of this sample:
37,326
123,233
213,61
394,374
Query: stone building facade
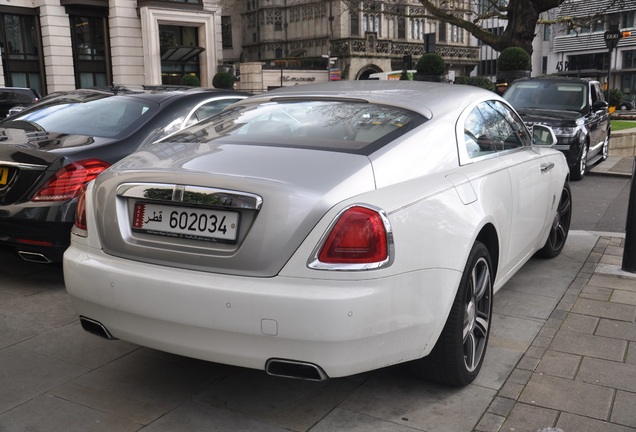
353,43
57,45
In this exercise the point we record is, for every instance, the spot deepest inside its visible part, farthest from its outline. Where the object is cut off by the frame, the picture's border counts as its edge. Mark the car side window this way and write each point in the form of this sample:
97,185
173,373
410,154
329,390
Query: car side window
490,128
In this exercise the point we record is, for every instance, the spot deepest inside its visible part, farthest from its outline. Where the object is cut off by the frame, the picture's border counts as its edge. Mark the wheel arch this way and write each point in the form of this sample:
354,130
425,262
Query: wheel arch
488,236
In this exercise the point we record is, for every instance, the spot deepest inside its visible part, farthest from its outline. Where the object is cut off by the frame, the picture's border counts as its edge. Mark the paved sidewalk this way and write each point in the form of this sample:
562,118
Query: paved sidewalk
579,374
614,165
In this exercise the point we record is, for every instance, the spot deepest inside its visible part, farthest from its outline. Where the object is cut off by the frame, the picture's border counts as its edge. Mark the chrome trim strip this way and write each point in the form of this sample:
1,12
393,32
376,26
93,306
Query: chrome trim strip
194,195
23,166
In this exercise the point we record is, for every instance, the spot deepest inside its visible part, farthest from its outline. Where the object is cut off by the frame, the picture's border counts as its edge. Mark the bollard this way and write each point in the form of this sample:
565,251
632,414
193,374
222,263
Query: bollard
629,250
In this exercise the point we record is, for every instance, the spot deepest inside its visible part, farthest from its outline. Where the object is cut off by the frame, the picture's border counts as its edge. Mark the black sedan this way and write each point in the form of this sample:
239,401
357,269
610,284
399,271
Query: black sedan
50,151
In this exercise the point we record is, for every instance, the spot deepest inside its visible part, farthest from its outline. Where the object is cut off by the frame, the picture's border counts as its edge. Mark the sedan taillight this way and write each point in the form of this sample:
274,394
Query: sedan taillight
358,237
66,183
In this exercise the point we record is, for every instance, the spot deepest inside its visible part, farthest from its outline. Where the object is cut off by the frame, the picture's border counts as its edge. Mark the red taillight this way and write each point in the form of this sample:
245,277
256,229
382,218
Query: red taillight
358,237
80,210
66,183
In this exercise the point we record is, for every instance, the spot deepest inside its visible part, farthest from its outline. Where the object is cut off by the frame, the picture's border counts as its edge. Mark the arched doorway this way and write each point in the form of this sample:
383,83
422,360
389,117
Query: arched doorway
363,74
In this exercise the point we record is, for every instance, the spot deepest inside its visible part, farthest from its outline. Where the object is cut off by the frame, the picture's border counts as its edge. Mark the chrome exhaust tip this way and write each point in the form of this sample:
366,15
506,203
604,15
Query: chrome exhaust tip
295,369
96,328
35,257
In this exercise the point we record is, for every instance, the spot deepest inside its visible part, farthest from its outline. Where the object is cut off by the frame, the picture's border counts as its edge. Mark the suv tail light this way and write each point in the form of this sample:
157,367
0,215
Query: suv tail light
66,183
360,236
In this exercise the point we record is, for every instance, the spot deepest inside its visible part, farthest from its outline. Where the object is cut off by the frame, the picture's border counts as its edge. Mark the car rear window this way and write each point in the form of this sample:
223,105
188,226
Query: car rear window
17,96
345,126
107,117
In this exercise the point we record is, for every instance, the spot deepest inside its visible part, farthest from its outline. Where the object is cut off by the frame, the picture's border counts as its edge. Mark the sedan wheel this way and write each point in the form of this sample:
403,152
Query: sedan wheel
460,350
560,226
581,164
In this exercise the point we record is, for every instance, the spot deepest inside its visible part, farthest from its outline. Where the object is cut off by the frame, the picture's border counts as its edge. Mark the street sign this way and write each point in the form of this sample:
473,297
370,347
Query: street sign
611,38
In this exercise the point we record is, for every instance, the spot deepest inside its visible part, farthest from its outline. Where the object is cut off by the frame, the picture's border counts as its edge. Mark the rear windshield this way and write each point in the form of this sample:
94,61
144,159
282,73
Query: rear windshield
107,117
17,96
547,95
345,126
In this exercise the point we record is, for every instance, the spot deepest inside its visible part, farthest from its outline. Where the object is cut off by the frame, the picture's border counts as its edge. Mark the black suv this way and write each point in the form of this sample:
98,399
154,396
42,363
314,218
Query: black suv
574,108
13,96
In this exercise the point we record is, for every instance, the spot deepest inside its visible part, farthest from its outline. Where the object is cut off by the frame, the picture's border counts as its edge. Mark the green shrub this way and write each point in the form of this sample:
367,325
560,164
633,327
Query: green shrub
190,80
514,58
430,64
476,81
615,97
223,80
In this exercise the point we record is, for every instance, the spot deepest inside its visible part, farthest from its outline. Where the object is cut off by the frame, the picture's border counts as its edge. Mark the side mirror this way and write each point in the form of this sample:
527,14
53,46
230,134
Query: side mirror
599,105
543,135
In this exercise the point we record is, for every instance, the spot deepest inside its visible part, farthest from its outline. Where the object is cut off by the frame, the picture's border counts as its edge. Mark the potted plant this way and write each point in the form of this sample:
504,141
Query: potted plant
513,63
223,80
430,67
190,80
614,99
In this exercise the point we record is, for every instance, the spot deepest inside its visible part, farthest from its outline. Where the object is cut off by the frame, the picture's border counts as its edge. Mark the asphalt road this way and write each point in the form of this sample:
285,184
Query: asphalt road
599,203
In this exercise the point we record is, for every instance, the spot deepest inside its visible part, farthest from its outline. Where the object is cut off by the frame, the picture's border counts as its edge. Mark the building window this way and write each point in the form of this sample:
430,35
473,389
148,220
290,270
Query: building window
20,48
544,65
628,19
546,32
371,23
226,31
88,37
442,32
629,59
417,29
487,67
170,38
401,28
355,24
457,34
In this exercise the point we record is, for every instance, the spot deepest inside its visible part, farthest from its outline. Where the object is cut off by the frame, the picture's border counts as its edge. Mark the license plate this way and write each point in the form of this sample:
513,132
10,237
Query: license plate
186,222
4,175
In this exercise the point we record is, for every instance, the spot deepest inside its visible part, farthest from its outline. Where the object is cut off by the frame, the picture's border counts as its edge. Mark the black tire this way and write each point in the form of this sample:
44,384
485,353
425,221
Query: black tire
560,226
579,170
460,350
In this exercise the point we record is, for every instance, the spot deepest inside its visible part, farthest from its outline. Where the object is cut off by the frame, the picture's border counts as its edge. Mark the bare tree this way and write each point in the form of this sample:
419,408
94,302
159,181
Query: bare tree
520,16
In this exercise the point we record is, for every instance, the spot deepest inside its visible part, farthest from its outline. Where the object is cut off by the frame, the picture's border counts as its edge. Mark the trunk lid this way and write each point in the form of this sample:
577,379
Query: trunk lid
277,194
28,158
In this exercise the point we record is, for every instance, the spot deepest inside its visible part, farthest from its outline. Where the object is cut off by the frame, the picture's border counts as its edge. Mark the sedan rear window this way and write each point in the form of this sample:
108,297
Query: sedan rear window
345,126
107,117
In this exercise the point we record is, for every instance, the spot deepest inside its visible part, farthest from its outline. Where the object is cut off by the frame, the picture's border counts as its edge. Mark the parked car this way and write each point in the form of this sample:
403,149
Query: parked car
575,109
322,230
626,105
14,96
50,150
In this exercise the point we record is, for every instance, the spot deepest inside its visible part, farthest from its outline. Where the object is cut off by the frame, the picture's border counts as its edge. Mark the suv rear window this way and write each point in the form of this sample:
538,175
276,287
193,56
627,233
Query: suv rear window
18,96
548,95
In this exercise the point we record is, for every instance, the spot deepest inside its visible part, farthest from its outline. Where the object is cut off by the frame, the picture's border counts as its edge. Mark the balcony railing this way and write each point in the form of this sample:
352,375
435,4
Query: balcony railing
372,47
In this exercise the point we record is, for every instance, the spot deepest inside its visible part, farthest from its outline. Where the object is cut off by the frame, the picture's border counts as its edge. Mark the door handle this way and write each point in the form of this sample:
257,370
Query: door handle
547,166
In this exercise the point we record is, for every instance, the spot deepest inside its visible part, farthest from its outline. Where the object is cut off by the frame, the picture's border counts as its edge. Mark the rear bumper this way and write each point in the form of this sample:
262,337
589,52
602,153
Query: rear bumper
343,327
38,228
